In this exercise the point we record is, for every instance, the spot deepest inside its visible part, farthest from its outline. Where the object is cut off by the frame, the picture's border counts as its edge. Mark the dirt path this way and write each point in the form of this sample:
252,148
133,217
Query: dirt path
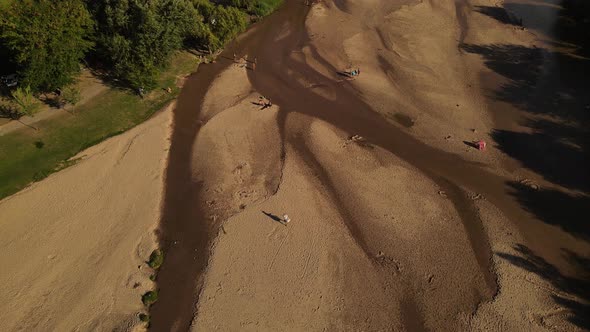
288,68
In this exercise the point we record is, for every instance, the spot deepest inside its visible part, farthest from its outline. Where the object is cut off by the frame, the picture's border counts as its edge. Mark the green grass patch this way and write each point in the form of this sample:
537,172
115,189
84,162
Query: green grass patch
149,298
24,160
156,259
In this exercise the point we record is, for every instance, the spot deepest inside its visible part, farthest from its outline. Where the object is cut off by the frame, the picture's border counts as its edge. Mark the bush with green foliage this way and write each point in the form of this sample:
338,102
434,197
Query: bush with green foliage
226,23
144,318
136,37
156,259
149,298
71,95
133,39
254,7
219,25
24,101
45,40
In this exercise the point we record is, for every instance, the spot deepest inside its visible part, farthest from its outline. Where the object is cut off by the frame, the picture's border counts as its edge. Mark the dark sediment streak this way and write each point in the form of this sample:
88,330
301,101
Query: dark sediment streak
412,318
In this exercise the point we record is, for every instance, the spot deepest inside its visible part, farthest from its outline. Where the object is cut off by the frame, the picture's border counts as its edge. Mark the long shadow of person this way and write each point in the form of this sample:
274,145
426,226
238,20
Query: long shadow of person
274,217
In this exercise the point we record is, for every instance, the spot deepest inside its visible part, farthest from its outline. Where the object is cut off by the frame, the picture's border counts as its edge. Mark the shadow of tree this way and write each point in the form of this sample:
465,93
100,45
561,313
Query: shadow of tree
554,207
498,13
571,293
551,88
558,156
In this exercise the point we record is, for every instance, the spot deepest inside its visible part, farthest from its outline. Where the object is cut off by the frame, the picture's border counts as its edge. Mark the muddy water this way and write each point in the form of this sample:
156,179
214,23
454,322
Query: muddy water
185,231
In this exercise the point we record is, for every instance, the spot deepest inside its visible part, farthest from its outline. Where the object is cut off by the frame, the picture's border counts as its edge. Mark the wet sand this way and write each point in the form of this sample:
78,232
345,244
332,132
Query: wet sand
284,73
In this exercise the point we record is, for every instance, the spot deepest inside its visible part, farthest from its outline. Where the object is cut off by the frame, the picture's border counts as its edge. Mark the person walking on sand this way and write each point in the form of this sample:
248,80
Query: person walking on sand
286,219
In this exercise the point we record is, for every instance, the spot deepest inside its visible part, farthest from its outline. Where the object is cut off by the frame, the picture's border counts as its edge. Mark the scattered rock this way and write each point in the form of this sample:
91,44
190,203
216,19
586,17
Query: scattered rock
476,197
356,138
442,193
448,137
474,130
388,263
529,183
240,166
137,284
430,278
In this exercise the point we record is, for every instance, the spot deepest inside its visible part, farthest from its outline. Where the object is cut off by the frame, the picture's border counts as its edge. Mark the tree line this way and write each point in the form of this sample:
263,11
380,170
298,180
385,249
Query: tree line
44,41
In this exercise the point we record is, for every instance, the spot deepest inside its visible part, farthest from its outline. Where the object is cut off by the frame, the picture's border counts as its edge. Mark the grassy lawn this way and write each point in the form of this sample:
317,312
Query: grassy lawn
28,155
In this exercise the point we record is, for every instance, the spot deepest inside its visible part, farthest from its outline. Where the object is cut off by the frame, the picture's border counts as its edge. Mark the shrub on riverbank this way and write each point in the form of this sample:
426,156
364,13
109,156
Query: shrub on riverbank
156,259
149,298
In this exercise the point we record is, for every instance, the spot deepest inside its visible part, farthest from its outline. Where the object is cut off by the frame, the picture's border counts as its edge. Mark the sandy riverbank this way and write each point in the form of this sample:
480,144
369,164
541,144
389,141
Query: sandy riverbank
73,244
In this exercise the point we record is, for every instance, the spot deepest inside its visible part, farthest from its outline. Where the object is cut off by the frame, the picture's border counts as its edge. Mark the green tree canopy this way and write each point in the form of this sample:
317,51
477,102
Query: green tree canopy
220,24
136,37
46,39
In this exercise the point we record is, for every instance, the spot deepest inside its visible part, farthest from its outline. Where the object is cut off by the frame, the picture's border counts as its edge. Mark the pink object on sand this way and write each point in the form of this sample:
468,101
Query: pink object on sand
481,145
